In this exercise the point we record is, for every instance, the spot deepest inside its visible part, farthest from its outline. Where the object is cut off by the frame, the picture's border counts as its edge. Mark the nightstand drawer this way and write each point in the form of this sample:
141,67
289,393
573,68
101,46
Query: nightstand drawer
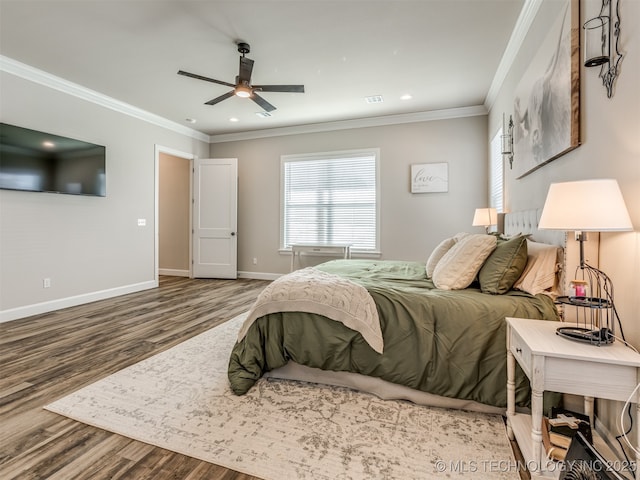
521,351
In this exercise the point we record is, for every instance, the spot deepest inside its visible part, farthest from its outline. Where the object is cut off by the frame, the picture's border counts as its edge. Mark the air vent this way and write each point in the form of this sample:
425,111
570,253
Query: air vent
374,99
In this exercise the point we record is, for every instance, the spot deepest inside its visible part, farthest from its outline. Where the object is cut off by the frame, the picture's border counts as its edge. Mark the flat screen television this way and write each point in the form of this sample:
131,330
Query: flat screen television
41,162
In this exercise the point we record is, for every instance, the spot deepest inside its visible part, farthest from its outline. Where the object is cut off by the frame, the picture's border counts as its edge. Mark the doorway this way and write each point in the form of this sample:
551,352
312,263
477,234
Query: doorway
195,215
173,212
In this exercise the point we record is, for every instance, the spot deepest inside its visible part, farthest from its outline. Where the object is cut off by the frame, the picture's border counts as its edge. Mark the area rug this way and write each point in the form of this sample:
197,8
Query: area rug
180,400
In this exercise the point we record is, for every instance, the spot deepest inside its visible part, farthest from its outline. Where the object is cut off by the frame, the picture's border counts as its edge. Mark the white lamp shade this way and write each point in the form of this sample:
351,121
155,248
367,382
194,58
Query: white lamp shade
585,206
484,217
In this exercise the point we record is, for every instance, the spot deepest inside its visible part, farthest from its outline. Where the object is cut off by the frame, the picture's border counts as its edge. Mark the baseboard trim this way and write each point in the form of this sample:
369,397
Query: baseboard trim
45,307
259,275
172,272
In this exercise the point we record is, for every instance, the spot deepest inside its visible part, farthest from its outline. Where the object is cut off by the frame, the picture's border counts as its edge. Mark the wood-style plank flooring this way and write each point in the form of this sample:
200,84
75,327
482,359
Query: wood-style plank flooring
45,357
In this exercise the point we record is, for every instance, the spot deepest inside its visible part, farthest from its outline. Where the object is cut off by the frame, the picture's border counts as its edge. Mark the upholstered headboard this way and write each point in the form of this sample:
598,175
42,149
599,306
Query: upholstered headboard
526,223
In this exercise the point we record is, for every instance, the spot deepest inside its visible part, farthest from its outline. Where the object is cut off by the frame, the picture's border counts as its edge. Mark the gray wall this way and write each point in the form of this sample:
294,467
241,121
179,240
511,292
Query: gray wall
85,245
411,225
610,131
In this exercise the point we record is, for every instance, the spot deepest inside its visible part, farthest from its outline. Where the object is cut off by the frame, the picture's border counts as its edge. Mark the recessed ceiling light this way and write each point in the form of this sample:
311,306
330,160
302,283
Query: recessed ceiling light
190,120
406,96
263,114
233,119
48,144
374,99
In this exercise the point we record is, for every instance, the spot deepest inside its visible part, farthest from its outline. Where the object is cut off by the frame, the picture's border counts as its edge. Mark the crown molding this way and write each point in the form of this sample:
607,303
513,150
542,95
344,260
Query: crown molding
350,124
520,30
36,75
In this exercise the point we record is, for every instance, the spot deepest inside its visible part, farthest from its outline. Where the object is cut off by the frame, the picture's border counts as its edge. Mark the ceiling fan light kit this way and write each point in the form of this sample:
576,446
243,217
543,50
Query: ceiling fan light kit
243,91
243,88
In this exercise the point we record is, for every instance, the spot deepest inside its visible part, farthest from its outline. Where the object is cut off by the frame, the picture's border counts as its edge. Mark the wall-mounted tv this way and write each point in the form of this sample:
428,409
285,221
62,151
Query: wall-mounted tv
41,162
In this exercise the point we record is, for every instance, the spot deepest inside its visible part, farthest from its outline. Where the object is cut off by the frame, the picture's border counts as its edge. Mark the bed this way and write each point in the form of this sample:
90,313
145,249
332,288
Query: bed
426,338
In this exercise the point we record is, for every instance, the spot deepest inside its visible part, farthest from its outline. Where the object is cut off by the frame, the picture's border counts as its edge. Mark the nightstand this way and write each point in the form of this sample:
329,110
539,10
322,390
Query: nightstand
561,365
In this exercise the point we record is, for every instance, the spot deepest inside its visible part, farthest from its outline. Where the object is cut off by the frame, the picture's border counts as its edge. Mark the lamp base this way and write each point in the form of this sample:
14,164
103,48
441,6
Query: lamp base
603,336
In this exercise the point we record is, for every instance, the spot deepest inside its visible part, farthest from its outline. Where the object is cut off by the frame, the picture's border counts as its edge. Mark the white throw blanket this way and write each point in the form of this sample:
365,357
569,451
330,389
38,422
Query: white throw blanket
314,291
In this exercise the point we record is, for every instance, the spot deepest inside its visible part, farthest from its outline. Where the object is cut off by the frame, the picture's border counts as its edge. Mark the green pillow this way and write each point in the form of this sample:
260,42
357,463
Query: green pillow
504,266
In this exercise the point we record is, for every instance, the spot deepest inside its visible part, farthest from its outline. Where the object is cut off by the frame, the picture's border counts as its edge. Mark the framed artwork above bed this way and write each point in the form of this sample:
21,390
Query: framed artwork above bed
547,98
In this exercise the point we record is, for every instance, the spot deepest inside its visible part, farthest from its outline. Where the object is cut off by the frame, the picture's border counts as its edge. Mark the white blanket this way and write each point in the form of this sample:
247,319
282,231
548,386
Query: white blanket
313,291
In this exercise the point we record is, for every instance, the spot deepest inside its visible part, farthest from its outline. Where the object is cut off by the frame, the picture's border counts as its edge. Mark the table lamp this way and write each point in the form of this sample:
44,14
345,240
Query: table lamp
485,217
588,206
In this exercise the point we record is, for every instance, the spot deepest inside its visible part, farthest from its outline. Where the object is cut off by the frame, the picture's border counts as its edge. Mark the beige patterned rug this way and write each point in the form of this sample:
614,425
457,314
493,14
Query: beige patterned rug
180,400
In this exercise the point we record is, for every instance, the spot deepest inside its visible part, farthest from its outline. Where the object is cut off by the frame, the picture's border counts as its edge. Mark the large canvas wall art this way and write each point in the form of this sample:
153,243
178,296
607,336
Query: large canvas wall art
547,98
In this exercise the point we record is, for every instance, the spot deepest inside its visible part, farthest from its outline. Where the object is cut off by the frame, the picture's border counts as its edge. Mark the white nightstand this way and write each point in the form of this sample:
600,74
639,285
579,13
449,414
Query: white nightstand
561,365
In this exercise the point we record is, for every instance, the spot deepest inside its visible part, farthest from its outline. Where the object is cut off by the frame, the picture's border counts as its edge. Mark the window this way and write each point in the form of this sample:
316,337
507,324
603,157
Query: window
496,174
330,198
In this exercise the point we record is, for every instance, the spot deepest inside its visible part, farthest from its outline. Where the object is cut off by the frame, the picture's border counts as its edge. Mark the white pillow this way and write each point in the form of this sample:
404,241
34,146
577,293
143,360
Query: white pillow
460,265
539,275
443,247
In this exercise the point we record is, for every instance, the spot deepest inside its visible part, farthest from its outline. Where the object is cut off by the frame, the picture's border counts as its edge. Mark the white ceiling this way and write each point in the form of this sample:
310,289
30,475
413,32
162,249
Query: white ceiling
444,53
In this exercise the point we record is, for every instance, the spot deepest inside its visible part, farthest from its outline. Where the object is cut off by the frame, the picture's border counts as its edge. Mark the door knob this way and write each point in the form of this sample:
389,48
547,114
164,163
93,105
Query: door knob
233,234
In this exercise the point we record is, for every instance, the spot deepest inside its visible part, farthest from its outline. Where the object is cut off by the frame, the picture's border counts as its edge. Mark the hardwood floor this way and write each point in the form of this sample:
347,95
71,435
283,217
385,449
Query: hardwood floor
45,357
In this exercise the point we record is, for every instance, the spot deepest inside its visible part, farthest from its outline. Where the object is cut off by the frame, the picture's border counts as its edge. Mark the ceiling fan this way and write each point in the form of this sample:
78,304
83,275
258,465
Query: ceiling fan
242,87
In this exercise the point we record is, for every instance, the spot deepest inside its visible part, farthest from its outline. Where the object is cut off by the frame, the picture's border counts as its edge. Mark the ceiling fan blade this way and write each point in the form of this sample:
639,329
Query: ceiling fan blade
246,67
280,88
220,98
206,79
267,107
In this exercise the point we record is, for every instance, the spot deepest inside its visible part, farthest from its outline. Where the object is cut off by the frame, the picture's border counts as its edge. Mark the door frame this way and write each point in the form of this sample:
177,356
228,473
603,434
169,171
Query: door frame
156,208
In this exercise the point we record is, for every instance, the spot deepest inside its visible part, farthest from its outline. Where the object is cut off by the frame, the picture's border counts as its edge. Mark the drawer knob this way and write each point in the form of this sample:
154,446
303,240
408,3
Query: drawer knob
518,350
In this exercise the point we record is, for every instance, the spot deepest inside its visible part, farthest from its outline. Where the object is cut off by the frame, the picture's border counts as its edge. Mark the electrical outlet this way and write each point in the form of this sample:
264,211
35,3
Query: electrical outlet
255,261
46,282
142,222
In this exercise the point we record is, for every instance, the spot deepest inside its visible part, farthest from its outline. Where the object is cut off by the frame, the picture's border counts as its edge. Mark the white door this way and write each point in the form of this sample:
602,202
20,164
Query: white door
215,205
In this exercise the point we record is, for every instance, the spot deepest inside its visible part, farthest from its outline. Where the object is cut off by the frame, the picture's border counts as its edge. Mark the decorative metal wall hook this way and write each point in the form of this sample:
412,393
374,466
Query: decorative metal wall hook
601,41
507,140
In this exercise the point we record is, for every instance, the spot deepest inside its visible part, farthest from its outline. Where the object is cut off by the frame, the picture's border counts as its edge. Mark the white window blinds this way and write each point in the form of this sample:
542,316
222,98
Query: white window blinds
496,174
330,198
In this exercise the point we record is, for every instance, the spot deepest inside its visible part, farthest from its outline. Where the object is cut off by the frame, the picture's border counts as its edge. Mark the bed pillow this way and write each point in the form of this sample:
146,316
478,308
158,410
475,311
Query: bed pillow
539,274
443,247
504,266
460,265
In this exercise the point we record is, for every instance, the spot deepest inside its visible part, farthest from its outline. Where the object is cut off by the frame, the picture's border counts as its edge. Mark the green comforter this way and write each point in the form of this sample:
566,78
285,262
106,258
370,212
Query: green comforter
449,343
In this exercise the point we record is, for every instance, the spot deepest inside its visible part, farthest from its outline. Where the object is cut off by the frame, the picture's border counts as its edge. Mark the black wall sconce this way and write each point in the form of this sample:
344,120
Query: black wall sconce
601,36
507,140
